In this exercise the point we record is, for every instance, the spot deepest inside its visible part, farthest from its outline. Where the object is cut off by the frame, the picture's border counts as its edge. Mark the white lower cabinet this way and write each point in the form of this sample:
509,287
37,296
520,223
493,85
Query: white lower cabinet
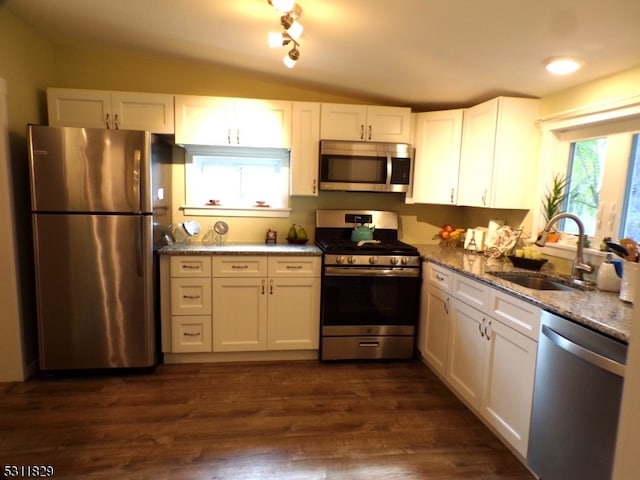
239,314
490,358
241,303
433,331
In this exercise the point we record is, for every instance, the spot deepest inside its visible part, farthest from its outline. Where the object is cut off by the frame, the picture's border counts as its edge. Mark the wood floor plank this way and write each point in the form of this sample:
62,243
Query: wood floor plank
289,420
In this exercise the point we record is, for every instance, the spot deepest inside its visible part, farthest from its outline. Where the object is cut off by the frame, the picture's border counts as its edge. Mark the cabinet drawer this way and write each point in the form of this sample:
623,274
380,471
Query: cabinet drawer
193,266
294,266
239,266
439,276
515,313
471,292
190,296
191,333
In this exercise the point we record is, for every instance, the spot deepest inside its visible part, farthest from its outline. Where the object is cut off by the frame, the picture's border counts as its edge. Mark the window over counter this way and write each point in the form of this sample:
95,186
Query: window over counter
599,153
236,181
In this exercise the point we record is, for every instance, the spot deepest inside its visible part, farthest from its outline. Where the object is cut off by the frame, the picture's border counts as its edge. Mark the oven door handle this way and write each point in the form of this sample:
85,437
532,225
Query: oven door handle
370,272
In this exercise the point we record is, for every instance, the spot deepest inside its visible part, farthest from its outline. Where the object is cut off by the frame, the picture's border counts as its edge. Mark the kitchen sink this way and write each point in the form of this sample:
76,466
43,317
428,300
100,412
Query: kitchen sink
537,281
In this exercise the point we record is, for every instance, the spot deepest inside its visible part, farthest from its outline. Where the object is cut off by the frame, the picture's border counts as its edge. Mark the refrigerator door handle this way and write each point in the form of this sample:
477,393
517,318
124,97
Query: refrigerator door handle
136,179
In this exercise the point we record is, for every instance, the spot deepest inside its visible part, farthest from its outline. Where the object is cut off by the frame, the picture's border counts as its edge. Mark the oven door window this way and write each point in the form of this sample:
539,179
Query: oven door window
354,169
370,300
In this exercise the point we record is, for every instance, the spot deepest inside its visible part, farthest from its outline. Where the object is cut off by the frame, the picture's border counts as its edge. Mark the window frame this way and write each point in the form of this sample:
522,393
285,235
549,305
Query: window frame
189,208
558,131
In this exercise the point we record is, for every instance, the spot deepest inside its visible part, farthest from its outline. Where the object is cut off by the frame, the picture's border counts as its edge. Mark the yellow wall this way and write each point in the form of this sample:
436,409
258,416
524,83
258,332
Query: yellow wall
619,86
26,63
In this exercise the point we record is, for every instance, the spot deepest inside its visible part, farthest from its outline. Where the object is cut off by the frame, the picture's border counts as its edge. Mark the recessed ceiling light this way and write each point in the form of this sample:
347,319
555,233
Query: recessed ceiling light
563,65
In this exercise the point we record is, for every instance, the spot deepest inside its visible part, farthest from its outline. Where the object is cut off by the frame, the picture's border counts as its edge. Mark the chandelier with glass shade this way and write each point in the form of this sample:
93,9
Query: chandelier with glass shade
292,30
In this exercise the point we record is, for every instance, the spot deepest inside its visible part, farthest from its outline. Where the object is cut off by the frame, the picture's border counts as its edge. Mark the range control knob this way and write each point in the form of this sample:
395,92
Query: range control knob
405,260
373,260
351,259
340,259
394,260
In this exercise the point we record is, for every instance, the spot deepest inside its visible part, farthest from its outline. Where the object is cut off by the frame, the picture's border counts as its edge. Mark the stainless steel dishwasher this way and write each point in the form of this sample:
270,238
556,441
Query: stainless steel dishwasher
576,401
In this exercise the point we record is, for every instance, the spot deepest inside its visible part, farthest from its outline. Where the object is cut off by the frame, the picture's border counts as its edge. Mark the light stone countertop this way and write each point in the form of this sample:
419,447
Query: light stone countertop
600,311
283,249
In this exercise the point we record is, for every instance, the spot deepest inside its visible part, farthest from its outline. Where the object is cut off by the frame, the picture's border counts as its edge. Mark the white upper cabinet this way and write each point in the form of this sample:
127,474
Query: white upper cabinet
232,121
305,138
104,109
365,123
438,137
499,153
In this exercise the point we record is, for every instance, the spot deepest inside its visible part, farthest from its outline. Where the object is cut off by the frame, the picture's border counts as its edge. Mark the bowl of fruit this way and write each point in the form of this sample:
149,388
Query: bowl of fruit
297,235
449,236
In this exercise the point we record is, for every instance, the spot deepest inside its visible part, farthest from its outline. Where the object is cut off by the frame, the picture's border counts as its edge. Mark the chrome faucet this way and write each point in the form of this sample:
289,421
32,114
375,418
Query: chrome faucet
579,265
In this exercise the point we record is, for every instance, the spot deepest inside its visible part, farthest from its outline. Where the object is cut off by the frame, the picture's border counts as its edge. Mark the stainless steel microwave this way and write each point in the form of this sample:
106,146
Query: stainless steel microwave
365,166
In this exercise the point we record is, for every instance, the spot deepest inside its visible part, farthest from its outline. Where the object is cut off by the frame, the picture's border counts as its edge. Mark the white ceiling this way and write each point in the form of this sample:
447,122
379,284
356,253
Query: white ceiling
422,53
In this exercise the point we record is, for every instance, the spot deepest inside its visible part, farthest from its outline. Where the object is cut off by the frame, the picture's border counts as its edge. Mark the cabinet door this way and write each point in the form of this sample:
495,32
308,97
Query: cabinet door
263,123
294,313
142,111
343,121
476,159
511,365
305,138
388,124
78,108
438,137
204,121
433,339
516,154
239,314
467,351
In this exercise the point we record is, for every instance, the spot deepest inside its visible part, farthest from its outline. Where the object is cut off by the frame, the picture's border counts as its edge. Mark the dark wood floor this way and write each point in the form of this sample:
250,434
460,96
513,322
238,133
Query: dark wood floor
276,421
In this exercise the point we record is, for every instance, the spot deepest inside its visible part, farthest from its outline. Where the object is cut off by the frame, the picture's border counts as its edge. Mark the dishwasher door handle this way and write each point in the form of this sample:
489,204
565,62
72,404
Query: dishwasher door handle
596,359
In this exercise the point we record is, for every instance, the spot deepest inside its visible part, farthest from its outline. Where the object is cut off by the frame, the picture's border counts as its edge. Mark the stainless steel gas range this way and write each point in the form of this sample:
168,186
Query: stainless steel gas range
370,296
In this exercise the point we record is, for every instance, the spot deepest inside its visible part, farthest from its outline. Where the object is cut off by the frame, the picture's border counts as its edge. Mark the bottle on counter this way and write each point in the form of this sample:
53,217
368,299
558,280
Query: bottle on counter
608,279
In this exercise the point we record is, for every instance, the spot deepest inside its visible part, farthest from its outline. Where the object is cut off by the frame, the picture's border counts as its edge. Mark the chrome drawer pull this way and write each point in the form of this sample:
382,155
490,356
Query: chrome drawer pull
191,297
239,267
187,334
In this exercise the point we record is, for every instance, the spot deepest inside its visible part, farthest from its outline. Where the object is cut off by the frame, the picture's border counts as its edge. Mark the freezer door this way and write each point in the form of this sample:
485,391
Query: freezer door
95,291
89,170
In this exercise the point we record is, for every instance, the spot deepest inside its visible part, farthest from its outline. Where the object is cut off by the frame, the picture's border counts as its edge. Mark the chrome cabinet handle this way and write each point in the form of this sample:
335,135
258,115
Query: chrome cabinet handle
239,267
480,327
238,137
107,121
262,292
439,278
115,121
486,330
484,197
270,287
191,297
446,306
452,192
187,334
314,186
370,132
362,132
229,136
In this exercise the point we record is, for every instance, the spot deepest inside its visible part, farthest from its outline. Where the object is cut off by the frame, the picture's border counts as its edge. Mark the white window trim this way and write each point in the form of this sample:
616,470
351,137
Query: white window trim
614,116
213,211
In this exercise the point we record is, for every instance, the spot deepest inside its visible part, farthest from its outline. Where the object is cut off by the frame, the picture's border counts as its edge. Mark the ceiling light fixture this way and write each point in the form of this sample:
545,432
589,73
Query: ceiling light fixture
563,65
292,29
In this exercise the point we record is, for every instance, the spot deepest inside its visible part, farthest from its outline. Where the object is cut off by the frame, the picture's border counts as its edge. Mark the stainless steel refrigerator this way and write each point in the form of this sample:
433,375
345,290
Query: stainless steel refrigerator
99,207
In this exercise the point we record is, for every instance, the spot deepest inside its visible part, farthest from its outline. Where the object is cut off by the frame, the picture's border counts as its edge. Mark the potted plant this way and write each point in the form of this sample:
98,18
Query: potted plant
553,200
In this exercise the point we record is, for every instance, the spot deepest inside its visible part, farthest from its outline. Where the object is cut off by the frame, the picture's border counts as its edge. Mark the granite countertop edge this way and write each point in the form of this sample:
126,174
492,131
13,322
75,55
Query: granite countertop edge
241,249
601,311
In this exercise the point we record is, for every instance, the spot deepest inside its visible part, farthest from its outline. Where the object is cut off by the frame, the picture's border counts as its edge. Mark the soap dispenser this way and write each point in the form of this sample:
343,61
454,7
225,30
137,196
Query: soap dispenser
608,279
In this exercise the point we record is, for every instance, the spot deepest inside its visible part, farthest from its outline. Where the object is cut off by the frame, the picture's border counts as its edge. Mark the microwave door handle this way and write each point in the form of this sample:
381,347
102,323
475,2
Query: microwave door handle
389,169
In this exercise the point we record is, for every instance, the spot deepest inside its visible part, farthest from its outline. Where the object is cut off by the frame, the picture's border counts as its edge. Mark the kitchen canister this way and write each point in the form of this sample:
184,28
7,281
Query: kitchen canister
608,279
630,281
